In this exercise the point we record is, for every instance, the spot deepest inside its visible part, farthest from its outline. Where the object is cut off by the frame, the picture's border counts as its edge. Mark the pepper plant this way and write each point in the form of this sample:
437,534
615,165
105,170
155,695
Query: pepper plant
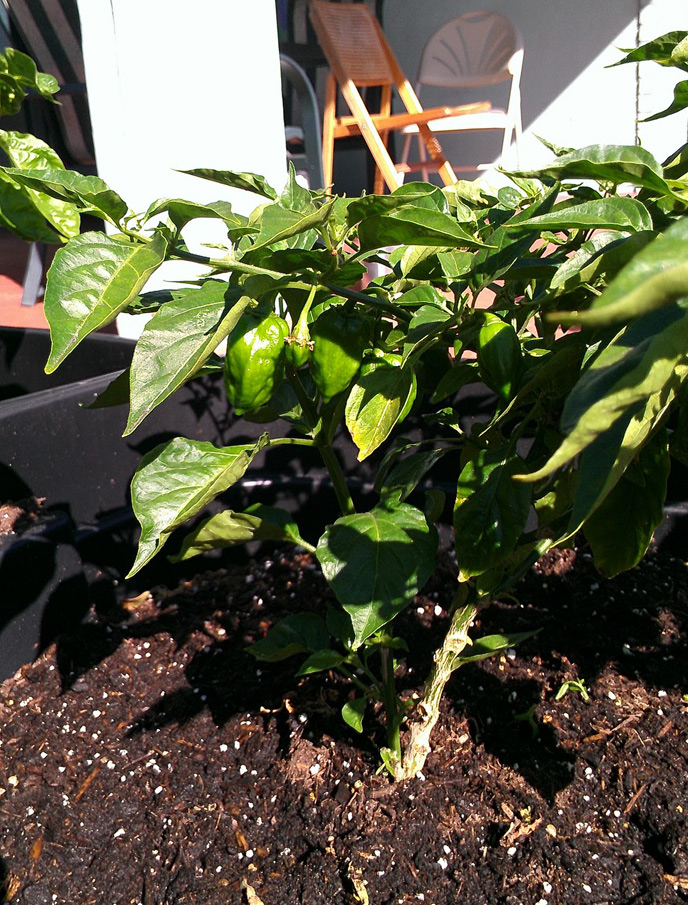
563,299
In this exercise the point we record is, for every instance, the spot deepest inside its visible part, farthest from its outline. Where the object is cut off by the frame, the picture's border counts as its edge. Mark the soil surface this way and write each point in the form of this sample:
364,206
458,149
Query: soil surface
148,758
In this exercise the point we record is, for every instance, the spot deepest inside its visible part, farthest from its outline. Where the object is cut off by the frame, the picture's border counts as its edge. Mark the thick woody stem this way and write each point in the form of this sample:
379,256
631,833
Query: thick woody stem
417,746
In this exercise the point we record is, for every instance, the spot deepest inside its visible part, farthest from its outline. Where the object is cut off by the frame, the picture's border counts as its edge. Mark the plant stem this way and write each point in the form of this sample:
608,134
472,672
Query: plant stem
418,744
334,468
341,489
391,702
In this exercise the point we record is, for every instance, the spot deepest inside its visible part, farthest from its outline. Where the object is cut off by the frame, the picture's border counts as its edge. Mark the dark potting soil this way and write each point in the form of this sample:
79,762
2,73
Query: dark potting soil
148,758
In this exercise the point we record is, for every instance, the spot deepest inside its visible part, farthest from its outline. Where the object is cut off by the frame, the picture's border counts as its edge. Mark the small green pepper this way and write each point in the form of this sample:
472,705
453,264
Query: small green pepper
339,341
254,363
499,355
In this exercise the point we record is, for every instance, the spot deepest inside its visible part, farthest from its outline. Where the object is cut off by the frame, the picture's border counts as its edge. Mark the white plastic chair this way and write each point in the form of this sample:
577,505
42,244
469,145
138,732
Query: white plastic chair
474,50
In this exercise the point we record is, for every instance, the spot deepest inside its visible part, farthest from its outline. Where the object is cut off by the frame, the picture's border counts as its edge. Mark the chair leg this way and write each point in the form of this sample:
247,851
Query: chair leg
329,114
33,275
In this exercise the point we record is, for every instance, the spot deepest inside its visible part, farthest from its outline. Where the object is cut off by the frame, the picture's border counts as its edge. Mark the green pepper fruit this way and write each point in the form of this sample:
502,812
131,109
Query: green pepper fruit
254,363
499,356
339,341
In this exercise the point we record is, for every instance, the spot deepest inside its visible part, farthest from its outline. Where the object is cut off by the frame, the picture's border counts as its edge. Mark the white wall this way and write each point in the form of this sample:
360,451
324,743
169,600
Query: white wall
569,97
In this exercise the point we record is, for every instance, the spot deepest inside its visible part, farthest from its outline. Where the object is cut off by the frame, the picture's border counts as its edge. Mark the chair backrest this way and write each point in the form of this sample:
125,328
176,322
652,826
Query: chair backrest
477,48
49,31
353,43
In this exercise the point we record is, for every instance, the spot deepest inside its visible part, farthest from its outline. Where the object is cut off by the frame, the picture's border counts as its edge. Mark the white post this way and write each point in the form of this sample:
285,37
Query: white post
174,85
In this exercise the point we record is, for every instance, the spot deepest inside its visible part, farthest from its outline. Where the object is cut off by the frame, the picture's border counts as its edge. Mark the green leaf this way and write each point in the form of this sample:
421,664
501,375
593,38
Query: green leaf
296,634
89,193
621,528
412,194
176,480
27,152
376,562
176,342
19,215
249,182
17,74
91,280
410,226
636,377
607,163
321,661
377,402
600,258
181,212
680,102
665,50
456,377
427,321
353,713
405,476
228,529
656,276
489,645
603,213
280,224
491,511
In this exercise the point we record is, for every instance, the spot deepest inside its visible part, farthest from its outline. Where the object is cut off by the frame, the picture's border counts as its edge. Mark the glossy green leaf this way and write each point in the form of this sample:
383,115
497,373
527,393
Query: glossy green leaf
26,152
18,74
679,102
667,50
176,480
299,633
91,280
181,212
655,277
491,511
607,163
415,194
620,530
19,214
228,529
249,182
376,562
320,661
600,258
279,224
604,213
456,377
377,402
353,712
410,226
176,342
89,193
489,645
636,376
403,479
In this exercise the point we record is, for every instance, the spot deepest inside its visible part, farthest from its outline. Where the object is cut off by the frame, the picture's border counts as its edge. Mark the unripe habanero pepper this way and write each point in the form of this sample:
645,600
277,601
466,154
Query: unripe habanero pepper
499,355
254,363
339,341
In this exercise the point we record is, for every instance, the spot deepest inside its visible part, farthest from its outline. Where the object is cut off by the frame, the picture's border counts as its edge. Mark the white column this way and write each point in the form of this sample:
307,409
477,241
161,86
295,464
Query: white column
176,85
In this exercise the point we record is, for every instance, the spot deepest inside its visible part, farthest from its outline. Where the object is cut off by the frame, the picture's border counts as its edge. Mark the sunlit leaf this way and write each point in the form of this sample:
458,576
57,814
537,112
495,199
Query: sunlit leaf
376,562
176,480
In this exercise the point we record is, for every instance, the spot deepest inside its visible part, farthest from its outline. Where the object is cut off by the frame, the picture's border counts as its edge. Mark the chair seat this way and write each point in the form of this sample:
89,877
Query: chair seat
491,119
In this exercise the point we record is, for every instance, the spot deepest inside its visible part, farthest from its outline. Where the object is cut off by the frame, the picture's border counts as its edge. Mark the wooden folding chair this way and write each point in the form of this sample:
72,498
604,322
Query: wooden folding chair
359,56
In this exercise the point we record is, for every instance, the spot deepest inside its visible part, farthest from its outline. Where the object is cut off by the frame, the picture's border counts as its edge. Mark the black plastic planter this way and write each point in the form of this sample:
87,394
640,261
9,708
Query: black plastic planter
75,459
